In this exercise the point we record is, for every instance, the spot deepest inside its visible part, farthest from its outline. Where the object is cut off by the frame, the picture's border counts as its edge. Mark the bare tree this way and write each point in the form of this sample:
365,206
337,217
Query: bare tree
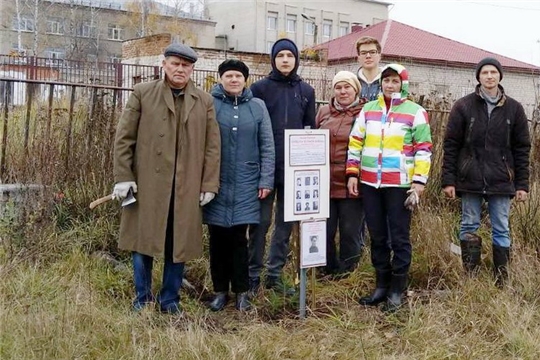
83,31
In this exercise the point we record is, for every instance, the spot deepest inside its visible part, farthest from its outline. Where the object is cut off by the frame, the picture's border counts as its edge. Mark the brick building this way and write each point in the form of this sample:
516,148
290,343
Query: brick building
437,66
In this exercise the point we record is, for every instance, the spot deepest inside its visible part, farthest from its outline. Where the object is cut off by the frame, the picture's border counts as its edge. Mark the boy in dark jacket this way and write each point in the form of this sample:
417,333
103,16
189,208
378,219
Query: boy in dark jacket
291,105
486,157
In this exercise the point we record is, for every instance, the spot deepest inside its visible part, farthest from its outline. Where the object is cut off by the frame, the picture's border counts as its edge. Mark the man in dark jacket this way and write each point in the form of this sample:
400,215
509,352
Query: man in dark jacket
291,105
486,157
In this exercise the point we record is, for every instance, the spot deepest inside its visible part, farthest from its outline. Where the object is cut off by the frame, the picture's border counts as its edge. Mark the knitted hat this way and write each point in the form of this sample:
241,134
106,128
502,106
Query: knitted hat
403,74
182,51
349,78
284,44
233,64
488,61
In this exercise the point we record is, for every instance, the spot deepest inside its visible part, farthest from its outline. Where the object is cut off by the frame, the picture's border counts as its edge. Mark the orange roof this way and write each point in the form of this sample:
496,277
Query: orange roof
399,40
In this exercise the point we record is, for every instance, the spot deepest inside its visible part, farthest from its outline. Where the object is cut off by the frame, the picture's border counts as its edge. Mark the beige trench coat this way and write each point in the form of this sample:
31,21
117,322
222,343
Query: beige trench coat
144,152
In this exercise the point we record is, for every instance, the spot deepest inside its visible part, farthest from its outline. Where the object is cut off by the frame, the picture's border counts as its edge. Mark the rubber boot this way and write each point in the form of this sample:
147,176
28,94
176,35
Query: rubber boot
501,255
471,250
382,283
397,287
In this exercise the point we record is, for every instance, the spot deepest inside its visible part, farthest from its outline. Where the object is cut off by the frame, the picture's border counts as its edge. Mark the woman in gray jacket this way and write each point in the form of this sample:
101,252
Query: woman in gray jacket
246,177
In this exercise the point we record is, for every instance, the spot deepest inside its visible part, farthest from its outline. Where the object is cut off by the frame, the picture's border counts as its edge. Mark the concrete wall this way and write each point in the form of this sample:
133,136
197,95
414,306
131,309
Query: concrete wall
244,23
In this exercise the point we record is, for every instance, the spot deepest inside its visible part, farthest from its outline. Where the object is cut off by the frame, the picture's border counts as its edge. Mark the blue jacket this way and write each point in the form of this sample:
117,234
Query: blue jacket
291,104
247,159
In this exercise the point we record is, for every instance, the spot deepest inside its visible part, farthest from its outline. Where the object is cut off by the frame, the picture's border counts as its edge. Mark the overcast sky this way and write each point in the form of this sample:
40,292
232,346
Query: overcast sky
510,28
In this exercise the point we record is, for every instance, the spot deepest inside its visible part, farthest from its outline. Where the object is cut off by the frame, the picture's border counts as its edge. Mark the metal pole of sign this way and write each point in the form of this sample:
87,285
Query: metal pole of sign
302,273
303,293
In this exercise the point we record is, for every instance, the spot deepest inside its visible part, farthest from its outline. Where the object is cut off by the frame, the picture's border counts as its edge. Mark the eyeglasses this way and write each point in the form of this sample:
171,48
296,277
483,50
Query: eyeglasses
370,52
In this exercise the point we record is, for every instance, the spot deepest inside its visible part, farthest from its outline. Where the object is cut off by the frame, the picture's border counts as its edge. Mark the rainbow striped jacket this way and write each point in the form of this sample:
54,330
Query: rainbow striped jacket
390,148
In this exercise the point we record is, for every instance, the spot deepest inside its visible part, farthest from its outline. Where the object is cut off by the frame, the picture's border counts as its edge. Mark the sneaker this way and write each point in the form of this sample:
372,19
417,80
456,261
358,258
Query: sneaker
171,309
275,283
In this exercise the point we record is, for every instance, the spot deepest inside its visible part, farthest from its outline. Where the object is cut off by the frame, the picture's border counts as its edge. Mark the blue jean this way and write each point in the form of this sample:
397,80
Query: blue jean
173,274
348,215
279,243
499,211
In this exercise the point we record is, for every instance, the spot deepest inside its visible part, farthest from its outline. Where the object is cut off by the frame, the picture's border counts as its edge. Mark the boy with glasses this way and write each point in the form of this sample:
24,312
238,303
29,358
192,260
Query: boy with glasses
369,73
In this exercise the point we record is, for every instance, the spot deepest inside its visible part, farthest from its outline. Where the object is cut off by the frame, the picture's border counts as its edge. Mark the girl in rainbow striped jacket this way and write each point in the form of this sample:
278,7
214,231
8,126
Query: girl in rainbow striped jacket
390,155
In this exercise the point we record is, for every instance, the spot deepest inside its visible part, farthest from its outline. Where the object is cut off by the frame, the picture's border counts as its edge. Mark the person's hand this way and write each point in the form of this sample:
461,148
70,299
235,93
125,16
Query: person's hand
450,191
263,193
352,186
418,188
521,195
206,197
121,189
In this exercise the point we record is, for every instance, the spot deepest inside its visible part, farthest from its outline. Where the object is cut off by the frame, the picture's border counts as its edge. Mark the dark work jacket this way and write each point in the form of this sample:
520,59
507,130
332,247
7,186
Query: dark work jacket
486,155
291,104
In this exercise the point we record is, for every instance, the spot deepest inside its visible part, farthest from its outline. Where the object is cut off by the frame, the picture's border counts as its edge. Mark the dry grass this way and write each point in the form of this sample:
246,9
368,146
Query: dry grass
73,305
58,300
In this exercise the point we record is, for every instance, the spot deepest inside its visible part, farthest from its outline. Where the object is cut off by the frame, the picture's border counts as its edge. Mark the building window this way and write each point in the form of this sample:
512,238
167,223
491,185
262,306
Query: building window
55,26
115,32
26,23
291,23
269,45
271,23
327,28
55,57
442,89
54,53
309,28
343,28
87,30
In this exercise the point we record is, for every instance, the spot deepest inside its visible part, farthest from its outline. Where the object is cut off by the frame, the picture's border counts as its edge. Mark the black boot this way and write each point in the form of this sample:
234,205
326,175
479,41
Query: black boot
254,286
276,283
382,283
242,302
471,249
501,255
397,287
220,300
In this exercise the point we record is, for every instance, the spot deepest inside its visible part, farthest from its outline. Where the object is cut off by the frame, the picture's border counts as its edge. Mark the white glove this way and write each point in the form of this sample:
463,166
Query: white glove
412,200
121,189
206,197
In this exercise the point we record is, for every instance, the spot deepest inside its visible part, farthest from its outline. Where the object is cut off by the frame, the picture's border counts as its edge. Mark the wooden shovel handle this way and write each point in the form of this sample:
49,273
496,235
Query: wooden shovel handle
100,201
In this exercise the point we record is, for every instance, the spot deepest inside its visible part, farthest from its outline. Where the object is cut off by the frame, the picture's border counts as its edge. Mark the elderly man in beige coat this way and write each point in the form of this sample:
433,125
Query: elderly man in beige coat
167,151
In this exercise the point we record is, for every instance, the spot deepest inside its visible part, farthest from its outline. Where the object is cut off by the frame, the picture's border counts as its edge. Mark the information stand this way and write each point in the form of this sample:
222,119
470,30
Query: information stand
307,197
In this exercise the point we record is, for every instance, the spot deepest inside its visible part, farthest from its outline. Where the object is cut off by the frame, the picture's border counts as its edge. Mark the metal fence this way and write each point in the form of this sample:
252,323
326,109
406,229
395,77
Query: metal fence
114,74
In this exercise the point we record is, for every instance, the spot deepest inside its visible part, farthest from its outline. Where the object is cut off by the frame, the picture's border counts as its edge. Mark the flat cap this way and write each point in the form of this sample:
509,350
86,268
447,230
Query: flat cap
182,51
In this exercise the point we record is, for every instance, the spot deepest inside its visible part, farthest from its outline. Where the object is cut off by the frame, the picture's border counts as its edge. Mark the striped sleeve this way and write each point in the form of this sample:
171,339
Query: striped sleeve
422,146
356,144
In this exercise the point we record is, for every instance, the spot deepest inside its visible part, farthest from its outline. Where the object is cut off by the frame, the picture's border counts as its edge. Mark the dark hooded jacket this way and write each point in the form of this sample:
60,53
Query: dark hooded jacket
247,159
291,105
486,154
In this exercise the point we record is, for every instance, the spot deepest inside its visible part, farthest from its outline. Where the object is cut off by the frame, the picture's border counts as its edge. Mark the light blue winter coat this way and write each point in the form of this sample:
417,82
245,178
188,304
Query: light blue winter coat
247,158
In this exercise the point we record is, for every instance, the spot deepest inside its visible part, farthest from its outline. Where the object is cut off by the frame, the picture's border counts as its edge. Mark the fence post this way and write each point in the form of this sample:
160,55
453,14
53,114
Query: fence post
29,101
70,125
7,97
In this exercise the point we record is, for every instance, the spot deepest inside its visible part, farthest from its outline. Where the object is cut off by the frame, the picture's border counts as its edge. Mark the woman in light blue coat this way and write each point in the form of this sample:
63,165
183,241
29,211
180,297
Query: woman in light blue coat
246,177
